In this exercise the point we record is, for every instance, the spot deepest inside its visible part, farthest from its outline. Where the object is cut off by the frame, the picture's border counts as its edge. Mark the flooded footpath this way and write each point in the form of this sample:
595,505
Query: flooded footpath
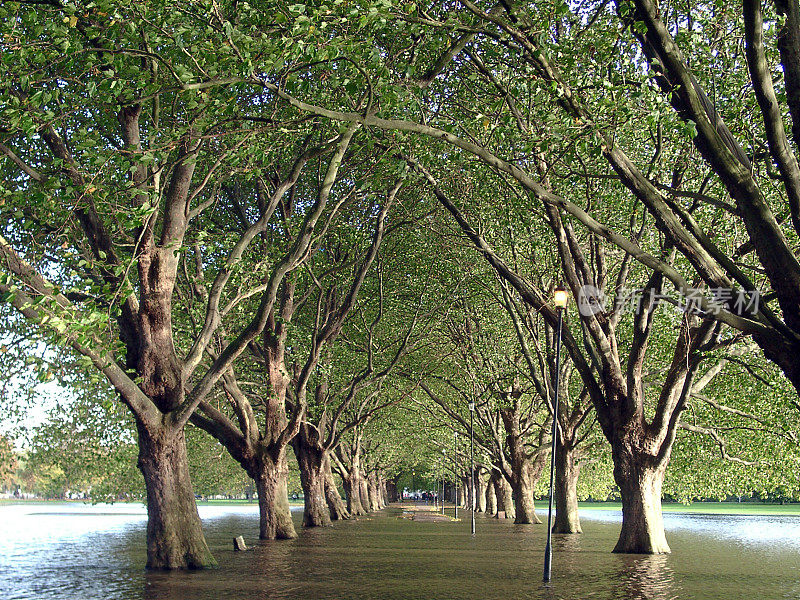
70,551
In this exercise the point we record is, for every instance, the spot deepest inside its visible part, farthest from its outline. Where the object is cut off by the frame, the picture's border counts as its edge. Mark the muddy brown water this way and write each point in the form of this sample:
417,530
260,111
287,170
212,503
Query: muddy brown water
82,552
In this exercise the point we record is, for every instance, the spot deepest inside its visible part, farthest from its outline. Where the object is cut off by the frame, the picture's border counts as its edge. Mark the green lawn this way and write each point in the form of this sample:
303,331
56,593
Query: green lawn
711,508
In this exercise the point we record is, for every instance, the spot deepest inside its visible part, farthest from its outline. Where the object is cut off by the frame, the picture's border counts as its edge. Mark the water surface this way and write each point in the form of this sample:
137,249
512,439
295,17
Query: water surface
74,551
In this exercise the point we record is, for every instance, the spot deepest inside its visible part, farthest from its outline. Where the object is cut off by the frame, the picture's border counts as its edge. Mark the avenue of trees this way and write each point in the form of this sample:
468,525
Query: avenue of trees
260,248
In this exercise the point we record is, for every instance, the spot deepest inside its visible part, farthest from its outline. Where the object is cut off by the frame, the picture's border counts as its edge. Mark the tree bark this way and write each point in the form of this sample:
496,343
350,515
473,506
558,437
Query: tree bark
481,491
524,508
336,506
566,491
524,469
352,489
490,497
275,518
639,478
174,534
363,489
382,492
392,494
372,492
504,495
310,459
467,501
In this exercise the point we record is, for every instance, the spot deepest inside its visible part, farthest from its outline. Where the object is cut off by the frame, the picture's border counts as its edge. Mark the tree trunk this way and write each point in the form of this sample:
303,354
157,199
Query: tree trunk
392,494
174,534
363,490
524,508
382,492
481,491
372,492
310,459
352,488
639,483
566,491
505,498
336,506
491,497
275,517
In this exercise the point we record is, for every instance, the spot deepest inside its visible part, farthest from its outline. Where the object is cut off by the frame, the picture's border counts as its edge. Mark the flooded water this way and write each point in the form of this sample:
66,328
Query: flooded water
71,551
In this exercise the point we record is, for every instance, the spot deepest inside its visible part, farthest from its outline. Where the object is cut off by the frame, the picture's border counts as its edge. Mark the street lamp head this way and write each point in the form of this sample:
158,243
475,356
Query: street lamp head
471,406
560,296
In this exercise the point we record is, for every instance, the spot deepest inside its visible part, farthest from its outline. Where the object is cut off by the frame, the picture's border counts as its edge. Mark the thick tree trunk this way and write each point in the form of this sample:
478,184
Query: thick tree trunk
640,484
352,488
310,459
382,493
505,498
372,492
566,491
174,533
363,490
491,497
392,494
336,506
524,508
481,490
275,518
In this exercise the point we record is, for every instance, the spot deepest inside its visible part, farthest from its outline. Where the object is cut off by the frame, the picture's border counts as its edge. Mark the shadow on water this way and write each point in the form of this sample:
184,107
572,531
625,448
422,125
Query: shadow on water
386,557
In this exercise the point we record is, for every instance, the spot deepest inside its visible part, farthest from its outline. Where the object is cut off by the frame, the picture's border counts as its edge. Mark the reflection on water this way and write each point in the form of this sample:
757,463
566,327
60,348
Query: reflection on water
54,551
646,578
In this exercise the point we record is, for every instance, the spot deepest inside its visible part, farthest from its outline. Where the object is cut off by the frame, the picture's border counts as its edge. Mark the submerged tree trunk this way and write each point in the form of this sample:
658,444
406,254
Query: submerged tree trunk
566,491
524,508
481,491
491,497
392,493
275,518
383,495
174,534
352,488
310,460
371,482
505,498
640,478
363,490
336,505
503,495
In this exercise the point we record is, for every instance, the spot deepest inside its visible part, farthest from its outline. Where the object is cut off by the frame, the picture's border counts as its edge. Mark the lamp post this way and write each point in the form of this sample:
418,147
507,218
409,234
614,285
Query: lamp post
472,465
560,299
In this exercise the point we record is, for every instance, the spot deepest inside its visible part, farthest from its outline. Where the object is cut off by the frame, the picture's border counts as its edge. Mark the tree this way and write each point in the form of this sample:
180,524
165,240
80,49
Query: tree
114,144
